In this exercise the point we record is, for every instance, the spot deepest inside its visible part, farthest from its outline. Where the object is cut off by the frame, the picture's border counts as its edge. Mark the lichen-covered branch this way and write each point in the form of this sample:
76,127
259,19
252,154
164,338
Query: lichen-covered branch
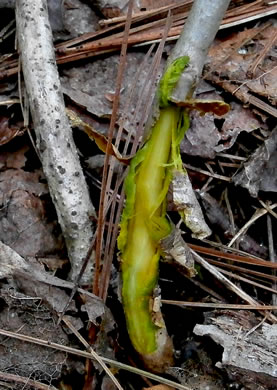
54,139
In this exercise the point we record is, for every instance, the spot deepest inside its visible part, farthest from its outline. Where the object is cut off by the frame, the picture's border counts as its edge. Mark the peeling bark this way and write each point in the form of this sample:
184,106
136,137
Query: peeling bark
54,139
249,354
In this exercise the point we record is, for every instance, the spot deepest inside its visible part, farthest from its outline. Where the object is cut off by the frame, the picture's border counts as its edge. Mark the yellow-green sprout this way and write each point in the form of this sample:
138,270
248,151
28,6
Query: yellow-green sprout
144,222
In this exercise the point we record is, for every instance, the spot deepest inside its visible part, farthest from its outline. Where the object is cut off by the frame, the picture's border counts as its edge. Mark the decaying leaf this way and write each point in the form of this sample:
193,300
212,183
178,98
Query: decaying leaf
237,120
186,202
205,137
24,223
7,132
202,136
79,18
35,281
20,311
93,310
259,173
15,160
174,247
246,61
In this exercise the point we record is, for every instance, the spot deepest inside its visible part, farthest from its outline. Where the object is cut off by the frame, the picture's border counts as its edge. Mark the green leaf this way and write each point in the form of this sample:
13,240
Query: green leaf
169,80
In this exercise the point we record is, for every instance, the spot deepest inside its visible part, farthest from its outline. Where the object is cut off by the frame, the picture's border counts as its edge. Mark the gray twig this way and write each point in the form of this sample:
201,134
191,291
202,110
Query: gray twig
199,31
55,143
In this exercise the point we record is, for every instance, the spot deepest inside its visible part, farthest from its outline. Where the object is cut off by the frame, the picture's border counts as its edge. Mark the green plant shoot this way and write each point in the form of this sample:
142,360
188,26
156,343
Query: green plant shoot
144,222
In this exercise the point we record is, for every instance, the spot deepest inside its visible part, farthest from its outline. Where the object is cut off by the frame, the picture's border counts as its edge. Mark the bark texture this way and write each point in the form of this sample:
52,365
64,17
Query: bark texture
54,139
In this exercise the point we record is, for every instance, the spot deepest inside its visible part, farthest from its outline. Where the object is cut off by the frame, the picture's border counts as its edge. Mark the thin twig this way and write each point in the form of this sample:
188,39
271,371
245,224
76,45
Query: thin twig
268,208
230,212
231,156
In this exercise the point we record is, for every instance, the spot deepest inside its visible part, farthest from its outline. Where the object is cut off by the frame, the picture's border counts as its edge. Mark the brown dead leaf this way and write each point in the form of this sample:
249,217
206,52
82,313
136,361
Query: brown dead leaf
16,159
24,223
205,139
114,8
233,59
13,180
259,173
94,309
32,317
237,120
202,136
7,132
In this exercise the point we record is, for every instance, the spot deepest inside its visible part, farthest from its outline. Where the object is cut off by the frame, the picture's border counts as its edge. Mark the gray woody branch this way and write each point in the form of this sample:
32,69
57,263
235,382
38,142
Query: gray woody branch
54,139
199,32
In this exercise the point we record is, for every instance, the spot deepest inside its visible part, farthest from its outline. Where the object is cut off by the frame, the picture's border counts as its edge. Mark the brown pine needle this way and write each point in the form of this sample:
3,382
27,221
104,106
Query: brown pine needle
225,306
230,256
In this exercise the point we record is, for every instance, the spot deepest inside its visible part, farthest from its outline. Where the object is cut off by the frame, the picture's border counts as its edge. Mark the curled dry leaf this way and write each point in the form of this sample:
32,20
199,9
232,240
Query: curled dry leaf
100,140
24,224
205,138
259,173
94,309
174,247
216,107
186,202
7,132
